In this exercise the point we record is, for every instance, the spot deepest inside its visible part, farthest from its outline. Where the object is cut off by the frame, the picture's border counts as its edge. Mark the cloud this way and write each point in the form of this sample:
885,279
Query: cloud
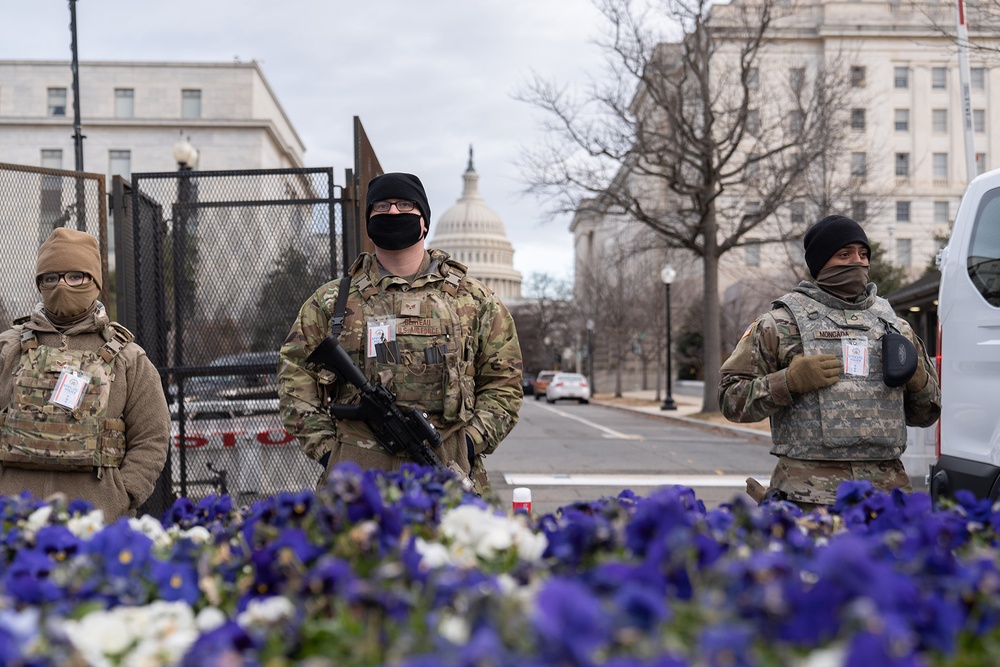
426,78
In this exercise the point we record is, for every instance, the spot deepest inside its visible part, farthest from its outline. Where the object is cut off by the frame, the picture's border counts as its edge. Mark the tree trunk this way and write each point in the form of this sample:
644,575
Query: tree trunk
712,331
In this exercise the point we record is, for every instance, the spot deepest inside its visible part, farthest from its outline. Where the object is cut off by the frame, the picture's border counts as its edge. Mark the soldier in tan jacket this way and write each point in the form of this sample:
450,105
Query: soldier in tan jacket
814,366
83,412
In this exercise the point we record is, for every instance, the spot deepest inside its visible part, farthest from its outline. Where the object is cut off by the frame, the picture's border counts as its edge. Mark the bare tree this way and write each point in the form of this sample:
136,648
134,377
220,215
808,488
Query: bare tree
687,137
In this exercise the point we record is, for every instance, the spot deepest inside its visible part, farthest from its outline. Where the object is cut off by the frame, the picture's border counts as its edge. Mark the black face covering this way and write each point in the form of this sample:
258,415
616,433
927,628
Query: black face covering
394,232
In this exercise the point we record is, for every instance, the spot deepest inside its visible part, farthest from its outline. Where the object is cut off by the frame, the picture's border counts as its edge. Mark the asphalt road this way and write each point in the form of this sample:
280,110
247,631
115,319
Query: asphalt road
569,452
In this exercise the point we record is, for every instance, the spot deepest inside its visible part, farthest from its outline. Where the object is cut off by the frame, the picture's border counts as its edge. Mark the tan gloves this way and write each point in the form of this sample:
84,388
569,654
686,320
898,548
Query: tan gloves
919,379
814,372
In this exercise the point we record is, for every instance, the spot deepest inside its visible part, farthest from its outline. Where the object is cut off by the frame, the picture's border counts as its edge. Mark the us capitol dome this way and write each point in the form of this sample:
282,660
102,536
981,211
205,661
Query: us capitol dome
472,233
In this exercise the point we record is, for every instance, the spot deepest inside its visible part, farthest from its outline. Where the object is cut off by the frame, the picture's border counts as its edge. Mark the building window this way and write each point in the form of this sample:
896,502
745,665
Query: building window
190,104
941,212
939,120
903,252
902,165
940,166
901,77
797,211
859,210
902,120
979,120
939,78
857,119
797,78
796,121
51,158
753,166
753,122
858,76
902,211
124,107
980,163
120,163
753,78
753,253
57,101
859,165
977,78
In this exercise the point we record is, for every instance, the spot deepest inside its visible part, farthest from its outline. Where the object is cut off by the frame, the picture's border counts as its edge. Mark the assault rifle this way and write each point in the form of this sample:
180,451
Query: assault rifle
397,429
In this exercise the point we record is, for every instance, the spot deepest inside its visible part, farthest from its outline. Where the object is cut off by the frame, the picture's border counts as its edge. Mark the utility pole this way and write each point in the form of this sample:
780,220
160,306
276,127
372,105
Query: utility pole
77,135
963,74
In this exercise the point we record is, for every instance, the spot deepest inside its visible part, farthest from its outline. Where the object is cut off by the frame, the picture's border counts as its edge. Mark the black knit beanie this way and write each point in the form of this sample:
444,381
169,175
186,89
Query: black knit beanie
398,186
829,235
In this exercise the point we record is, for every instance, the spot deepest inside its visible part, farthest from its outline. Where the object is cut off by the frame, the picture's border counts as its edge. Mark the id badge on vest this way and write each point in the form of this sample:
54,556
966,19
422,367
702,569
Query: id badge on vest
381,341
70,388
855,356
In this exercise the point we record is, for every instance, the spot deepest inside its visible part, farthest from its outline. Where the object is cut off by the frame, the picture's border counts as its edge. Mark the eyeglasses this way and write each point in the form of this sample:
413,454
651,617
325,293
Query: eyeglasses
72,278
401,206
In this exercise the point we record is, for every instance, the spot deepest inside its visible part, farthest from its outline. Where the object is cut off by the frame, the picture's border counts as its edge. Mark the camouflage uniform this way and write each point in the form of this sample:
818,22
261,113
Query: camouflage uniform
854,429
456,357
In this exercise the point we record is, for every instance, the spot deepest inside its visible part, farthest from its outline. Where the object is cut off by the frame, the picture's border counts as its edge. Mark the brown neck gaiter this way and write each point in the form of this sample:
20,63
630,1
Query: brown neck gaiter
845,281
65,304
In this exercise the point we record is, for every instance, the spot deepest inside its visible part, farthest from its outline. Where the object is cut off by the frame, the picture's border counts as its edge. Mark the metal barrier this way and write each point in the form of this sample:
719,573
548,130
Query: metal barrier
33,202
216,266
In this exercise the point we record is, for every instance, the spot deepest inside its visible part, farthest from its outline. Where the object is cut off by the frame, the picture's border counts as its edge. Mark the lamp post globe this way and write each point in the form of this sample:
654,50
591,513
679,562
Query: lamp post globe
185,155
667,275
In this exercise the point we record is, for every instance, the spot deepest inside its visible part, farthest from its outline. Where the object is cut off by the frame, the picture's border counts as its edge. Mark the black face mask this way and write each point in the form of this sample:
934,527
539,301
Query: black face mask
394,232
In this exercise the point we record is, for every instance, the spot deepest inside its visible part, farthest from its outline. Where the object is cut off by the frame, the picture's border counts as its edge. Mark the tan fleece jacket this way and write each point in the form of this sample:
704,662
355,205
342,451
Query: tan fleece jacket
136,397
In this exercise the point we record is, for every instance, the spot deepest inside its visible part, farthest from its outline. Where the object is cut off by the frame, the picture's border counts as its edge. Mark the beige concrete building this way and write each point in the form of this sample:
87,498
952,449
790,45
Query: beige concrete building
473,233
132,114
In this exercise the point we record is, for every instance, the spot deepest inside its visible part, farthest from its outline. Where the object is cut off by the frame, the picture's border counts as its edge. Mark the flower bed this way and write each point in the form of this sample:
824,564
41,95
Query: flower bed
405,569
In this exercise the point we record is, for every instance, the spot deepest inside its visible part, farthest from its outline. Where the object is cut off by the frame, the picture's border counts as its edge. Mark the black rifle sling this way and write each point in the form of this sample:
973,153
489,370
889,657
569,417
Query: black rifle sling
340,310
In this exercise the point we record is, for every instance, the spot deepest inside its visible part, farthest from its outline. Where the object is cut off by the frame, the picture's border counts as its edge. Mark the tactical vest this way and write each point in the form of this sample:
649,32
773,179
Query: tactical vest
40,435
432,367
857,418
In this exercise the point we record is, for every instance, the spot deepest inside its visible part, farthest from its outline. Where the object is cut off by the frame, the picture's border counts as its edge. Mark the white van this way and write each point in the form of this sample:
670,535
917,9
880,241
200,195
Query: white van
968,353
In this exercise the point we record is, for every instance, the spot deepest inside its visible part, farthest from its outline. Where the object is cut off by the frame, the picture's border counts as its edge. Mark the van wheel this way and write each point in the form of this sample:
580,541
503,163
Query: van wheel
549,400
584,401
538,397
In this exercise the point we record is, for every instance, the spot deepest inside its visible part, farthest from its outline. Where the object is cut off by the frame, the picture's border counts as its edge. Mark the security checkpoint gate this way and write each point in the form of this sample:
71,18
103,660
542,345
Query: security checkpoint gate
219,264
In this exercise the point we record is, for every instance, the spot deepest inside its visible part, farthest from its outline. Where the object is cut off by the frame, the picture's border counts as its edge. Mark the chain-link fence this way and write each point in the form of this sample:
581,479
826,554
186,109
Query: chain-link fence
33,202
212,268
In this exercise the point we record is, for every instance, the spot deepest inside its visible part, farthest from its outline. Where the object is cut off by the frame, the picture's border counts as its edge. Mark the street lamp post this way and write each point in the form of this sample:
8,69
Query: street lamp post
186,157
667,275
590,356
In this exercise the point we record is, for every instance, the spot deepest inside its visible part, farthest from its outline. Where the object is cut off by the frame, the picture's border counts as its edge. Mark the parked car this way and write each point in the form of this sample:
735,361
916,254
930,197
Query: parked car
968,347
568,385
528,383
541,382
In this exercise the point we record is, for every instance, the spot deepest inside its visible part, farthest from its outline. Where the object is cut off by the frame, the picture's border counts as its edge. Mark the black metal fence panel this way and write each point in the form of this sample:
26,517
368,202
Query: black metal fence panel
33,202
218,264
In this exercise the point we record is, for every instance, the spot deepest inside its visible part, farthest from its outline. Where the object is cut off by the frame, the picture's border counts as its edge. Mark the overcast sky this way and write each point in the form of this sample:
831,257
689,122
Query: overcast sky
427,78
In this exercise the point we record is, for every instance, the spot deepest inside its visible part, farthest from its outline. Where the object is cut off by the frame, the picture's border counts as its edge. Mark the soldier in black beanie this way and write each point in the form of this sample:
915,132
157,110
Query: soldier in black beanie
413,321
818,367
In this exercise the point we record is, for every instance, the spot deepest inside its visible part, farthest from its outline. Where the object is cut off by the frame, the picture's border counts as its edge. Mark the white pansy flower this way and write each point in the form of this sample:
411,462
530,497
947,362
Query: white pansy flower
454,628
37,520
151,528
210,618
432,554
472,531
266,611
197,534
86,526
156,634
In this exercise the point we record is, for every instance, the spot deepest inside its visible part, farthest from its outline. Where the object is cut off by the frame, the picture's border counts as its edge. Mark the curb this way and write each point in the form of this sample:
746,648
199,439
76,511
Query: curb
705,426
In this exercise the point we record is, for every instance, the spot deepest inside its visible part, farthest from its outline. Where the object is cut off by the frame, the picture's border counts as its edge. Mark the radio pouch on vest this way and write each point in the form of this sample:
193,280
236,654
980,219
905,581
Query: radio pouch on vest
899,357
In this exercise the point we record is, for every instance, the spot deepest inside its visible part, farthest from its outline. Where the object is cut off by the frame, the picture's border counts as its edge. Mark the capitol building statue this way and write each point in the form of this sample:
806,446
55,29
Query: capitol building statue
472,233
